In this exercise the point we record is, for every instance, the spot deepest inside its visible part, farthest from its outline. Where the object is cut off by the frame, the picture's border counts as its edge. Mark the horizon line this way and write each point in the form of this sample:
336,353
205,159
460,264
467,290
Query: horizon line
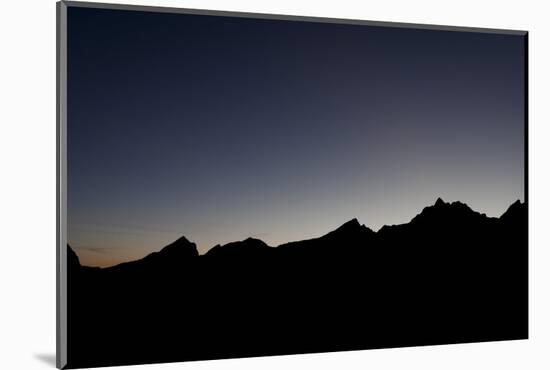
294,241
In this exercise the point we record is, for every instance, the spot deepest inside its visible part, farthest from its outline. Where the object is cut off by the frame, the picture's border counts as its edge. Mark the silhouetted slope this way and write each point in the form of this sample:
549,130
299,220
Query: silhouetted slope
350,238
349,230
72,258
172,256
247,248
517,212
449,275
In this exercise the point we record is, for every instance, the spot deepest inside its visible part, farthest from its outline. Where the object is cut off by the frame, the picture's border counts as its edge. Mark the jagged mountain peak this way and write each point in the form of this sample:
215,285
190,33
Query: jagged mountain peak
441,210
349,228
516,205
180,247
176,252
514,210
352,224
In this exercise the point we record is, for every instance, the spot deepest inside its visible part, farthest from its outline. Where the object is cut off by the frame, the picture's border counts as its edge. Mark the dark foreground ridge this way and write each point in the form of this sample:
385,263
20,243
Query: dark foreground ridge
450,275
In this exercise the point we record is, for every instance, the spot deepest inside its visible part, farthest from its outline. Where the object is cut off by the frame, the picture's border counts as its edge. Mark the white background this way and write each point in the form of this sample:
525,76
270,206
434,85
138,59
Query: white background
27,186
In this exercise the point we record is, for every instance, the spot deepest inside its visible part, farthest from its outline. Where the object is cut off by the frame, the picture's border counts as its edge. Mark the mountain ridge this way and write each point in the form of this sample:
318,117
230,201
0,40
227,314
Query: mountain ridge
427,214
452,275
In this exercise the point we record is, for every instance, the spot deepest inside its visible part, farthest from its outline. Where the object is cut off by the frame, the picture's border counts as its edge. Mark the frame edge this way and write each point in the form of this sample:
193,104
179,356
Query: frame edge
61,187
299,18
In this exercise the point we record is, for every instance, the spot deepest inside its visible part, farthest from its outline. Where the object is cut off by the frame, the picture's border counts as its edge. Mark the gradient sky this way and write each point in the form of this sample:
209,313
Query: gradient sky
221,128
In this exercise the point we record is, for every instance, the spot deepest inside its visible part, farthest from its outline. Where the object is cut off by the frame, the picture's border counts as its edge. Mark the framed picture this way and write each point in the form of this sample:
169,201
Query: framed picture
237,185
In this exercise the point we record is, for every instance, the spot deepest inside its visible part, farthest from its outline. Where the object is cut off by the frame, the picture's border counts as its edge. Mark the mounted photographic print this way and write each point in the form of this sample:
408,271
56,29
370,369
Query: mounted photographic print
236,185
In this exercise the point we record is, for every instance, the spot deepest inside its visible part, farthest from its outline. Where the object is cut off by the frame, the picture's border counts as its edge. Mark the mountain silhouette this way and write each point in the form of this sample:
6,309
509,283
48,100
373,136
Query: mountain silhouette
450,275
170,257
244,249
517,212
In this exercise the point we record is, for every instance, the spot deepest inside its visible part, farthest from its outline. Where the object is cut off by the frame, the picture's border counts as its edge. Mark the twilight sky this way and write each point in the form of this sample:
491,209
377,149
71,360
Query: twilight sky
221,128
